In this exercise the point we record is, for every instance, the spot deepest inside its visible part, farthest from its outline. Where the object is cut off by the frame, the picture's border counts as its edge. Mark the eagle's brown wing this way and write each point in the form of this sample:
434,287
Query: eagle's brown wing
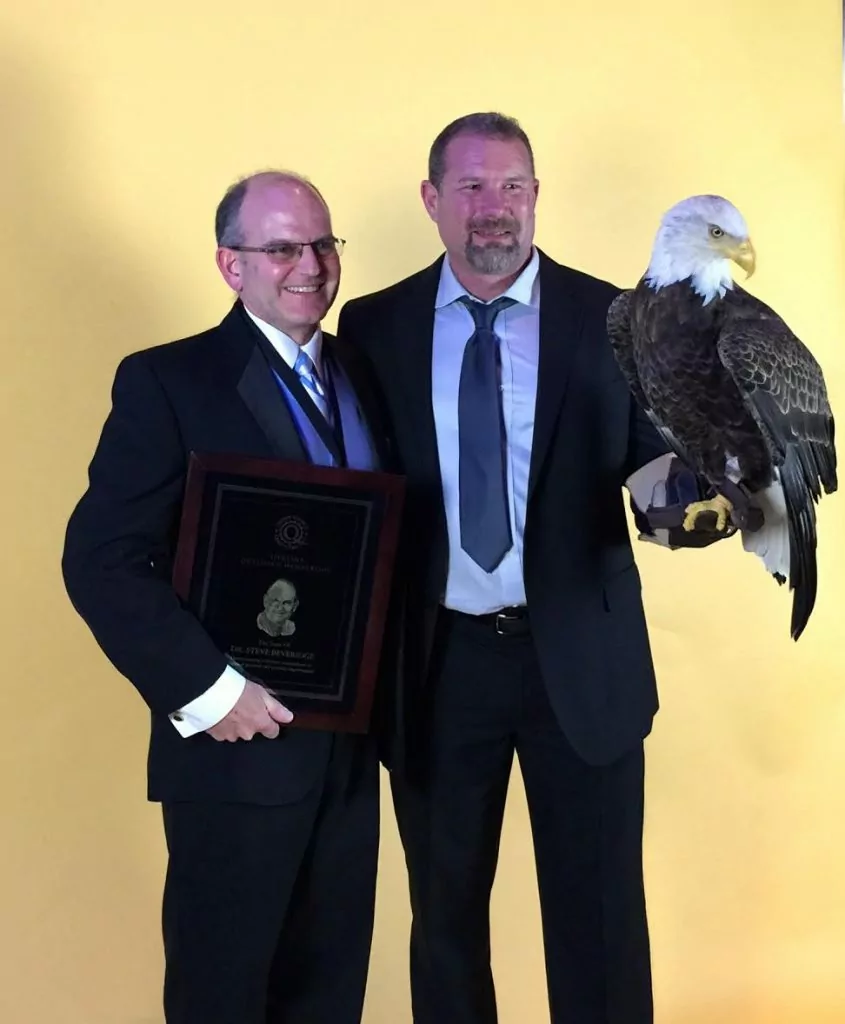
620,334
783,387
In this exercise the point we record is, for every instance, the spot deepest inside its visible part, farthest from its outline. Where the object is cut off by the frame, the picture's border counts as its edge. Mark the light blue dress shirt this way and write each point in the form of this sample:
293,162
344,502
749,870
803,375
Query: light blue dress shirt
468,587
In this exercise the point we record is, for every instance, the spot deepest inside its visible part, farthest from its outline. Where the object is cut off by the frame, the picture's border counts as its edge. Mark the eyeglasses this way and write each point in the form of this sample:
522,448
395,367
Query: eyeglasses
291,252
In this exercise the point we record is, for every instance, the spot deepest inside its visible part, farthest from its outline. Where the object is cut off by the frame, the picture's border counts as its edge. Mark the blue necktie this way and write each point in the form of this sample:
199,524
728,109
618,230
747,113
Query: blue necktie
307,371
482,473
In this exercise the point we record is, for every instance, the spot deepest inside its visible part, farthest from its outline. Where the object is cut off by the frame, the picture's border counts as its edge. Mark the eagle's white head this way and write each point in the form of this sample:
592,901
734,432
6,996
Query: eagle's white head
697,240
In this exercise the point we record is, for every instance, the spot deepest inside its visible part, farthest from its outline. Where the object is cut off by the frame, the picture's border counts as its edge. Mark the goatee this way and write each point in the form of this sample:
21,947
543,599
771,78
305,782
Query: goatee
494,257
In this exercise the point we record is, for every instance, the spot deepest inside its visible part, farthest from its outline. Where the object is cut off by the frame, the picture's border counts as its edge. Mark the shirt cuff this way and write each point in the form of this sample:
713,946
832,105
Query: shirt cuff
647,486
210,707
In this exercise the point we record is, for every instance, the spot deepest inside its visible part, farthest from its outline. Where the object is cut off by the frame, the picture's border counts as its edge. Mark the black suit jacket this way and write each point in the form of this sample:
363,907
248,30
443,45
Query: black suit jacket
213,392
582,585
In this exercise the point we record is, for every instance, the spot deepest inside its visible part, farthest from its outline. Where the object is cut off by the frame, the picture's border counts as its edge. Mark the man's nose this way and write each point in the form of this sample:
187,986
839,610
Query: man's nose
491,203
309,262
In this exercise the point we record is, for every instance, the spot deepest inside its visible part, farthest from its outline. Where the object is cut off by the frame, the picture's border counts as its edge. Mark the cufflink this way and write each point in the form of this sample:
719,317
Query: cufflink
176,717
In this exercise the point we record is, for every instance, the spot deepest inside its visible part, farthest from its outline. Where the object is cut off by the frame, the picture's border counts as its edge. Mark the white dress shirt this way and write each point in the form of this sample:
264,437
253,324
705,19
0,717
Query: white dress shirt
468,587
218,700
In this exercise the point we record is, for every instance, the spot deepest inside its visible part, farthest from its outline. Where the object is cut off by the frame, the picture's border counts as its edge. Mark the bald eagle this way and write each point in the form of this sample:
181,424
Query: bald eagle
734,393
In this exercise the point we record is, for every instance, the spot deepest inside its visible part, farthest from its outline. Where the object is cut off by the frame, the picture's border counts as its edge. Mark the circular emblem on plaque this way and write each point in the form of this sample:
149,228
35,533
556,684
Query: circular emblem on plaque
291,533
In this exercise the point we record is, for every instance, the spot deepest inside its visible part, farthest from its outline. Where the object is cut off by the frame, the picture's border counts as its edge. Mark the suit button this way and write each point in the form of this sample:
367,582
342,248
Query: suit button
176,717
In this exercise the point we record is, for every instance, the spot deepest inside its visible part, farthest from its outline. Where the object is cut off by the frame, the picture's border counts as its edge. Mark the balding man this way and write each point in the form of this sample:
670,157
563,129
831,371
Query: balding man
272,832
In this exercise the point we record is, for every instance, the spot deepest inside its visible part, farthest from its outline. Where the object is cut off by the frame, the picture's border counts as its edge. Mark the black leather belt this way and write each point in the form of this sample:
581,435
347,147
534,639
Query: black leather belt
511,621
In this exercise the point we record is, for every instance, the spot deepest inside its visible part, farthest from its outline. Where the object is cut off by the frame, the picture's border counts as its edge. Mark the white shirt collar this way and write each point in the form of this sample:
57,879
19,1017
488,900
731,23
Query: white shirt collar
286,346
525,288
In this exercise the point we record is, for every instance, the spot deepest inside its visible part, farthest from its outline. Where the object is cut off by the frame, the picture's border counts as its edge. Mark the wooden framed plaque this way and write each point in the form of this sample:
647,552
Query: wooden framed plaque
289,566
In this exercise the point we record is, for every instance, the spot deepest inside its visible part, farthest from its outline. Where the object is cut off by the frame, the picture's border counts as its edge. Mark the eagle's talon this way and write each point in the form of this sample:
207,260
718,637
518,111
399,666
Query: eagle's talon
719,505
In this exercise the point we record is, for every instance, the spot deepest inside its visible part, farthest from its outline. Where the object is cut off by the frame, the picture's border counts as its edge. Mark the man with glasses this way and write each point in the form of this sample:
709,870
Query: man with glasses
272,833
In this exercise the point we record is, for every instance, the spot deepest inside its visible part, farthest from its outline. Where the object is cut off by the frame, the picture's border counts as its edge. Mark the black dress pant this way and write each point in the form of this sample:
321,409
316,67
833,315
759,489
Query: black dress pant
268,910
486,699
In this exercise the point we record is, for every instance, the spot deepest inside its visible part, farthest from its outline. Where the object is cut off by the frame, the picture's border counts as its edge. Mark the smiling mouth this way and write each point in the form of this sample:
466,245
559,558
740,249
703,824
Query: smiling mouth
303,289
486,233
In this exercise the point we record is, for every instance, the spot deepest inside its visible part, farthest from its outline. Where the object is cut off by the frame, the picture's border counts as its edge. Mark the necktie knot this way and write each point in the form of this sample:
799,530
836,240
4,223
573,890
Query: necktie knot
484,313
304,366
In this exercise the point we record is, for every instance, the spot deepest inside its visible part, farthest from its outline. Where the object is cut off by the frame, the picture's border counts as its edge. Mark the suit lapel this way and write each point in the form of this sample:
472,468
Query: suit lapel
260,394
413,330
561,323
272,360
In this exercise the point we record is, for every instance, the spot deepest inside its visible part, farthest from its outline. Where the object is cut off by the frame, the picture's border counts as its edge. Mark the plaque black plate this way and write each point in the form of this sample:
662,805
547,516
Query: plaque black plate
289,566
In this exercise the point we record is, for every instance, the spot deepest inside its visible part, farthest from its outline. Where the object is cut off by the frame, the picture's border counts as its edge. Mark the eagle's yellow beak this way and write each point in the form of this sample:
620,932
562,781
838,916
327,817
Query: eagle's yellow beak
744,256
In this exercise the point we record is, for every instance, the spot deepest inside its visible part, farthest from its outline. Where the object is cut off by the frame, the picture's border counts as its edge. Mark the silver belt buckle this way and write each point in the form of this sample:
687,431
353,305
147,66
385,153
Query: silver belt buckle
505,618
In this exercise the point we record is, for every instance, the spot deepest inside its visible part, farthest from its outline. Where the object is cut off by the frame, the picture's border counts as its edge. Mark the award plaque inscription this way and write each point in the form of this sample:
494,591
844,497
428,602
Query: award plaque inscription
288,566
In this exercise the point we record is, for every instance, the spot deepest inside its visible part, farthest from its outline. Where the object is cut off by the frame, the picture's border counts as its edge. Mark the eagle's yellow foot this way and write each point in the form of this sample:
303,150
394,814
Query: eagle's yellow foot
720,505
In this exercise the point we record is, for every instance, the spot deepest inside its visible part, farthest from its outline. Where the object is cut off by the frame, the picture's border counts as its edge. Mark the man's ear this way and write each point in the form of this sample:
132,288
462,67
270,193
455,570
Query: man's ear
430,197
229,264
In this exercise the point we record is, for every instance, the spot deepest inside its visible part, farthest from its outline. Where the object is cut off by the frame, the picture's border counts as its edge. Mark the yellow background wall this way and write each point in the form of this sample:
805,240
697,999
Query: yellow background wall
122,123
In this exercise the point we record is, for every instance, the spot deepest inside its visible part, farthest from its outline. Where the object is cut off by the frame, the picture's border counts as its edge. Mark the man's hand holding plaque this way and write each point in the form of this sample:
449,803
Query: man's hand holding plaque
256,713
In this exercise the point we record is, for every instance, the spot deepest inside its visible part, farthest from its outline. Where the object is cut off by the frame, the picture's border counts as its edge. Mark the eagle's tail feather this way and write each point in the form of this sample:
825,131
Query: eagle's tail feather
786,543
824,458
801,491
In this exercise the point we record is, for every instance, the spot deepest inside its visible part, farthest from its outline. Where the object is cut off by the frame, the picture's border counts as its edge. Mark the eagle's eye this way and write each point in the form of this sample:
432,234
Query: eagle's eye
716,231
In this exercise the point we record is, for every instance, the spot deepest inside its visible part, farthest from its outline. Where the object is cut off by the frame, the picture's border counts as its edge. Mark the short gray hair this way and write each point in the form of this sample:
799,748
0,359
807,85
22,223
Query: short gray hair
227,223
490,125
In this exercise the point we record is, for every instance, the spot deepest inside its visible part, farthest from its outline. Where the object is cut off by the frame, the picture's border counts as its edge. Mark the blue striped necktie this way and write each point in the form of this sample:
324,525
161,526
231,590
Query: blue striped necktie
307,372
